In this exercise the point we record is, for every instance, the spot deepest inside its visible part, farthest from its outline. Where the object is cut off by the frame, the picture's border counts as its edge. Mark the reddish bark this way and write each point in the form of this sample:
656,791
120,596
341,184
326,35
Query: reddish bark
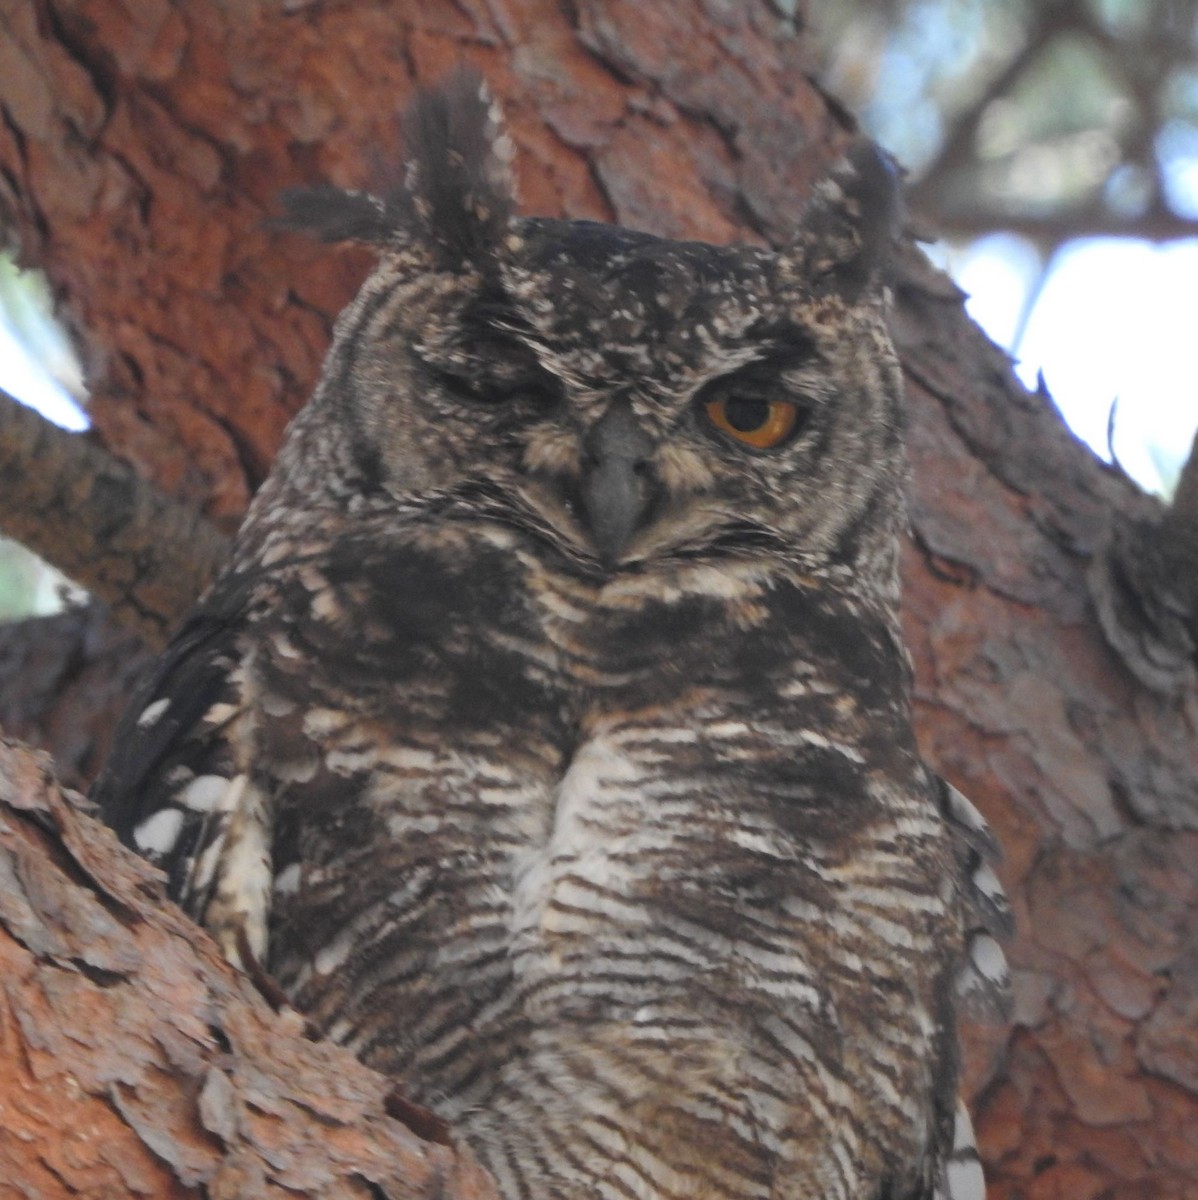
137,1063
140,150
1090,781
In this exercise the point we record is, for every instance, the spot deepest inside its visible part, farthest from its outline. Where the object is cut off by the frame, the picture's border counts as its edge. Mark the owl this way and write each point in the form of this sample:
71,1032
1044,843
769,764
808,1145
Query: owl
547,737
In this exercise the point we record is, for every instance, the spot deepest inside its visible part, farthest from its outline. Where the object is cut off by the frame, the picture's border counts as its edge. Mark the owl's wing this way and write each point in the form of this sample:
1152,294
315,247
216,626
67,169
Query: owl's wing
983,983
962,1178
171,779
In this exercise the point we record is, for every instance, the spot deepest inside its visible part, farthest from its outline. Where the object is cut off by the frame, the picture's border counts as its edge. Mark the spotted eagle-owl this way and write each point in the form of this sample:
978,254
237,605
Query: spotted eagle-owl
548,735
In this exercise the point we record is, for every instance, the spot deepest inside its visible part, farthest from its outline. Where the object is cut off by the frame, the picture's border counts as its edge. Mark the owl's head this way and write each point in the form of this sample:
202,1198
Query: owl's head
625,400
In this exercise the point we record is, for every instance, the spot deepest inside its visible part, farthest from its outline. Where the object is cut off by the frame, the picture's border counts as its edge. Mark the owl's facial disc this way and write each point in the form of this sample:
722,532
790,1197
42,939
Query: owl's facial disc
616,491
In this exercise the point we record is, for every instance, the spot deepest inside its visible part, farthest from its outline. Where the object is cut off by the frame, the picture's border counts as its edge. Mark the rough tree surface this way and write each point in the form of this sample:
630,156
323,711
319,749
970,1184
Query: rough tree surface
138,1064
141,147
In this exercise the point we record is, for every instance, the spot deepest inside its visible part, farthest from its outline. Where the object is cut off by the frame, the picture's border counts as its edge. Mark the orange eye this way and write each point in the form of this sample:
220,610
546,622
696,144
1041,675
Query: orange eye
762,424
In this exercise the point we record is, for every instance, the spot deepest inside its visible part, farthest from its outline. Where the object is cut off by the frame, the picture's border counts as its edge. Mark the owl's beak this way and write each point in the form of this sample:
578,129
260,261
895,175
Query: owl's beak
617,490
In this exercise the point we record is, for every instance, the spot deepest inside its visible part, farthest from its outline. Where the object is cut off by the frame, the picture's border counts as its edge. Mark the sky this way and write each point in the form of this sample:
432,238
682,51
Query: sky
1115,323
24,376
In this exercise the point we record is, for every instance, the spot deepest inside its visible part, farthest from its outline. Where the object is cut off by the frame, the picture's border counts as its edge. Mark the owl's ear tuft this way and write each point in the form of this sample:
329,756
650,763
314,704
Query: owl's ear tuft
457,195
847,233
336,215
458,170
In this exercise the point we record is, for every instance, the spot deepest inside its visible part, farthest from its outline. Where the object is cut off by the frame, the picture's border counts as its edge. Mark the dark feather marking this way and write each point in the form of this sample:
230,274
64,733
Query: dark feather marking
419,600
457,182
848,230
192,675
336,215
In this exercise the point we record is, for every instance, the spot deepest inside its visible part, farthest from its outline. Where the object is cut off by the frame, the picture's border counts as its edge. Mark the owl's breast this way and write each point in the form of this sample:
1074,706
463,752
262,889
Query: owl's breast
410,729
590,848
725,943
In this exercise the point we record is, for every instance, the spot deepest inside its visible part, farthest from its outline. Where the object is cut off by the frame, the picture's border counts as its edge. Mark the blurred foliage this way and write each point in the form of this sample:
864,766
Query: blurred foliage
1053,120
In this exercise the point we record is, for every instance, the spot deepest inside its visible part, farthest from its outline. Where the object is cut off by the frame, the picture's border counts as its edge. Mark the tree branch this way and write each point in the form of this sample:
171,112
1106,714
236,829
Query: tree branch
137,1062
1045,23
1052,230
145,555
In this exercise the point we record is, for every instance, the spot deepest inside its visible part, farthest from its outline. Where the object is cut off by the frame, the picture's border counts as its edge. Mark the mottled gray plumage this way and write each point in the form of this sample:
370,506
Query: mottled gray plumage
548,736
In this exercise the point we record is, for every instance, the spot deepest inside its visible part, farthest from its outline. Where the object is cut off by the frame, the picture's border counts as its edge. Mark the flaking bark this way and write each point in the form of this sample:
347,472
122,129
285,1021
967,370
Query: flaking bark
137,1063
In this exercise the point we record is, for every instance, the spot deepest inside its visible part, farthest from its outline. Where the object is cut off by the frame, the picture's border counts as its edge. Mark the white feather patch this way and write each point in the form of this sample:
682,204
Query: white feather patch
972,824
988,958
963,1177
329,957
983,982
986,882
152,712
287,881
966,1181
204,792
240,904
159,833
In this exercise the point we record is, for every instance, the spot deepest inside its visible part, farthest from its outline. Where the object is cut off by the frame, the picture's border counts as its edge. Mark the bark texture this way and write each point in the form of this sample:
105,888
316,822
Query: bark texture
141,147
63,682
138,1064
1089,778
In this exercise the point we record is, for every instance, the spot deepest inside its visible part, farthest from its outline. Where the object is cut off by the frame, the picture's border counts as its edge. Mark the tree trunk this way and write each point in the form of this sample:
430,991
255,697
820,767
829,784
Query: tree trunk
141,148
